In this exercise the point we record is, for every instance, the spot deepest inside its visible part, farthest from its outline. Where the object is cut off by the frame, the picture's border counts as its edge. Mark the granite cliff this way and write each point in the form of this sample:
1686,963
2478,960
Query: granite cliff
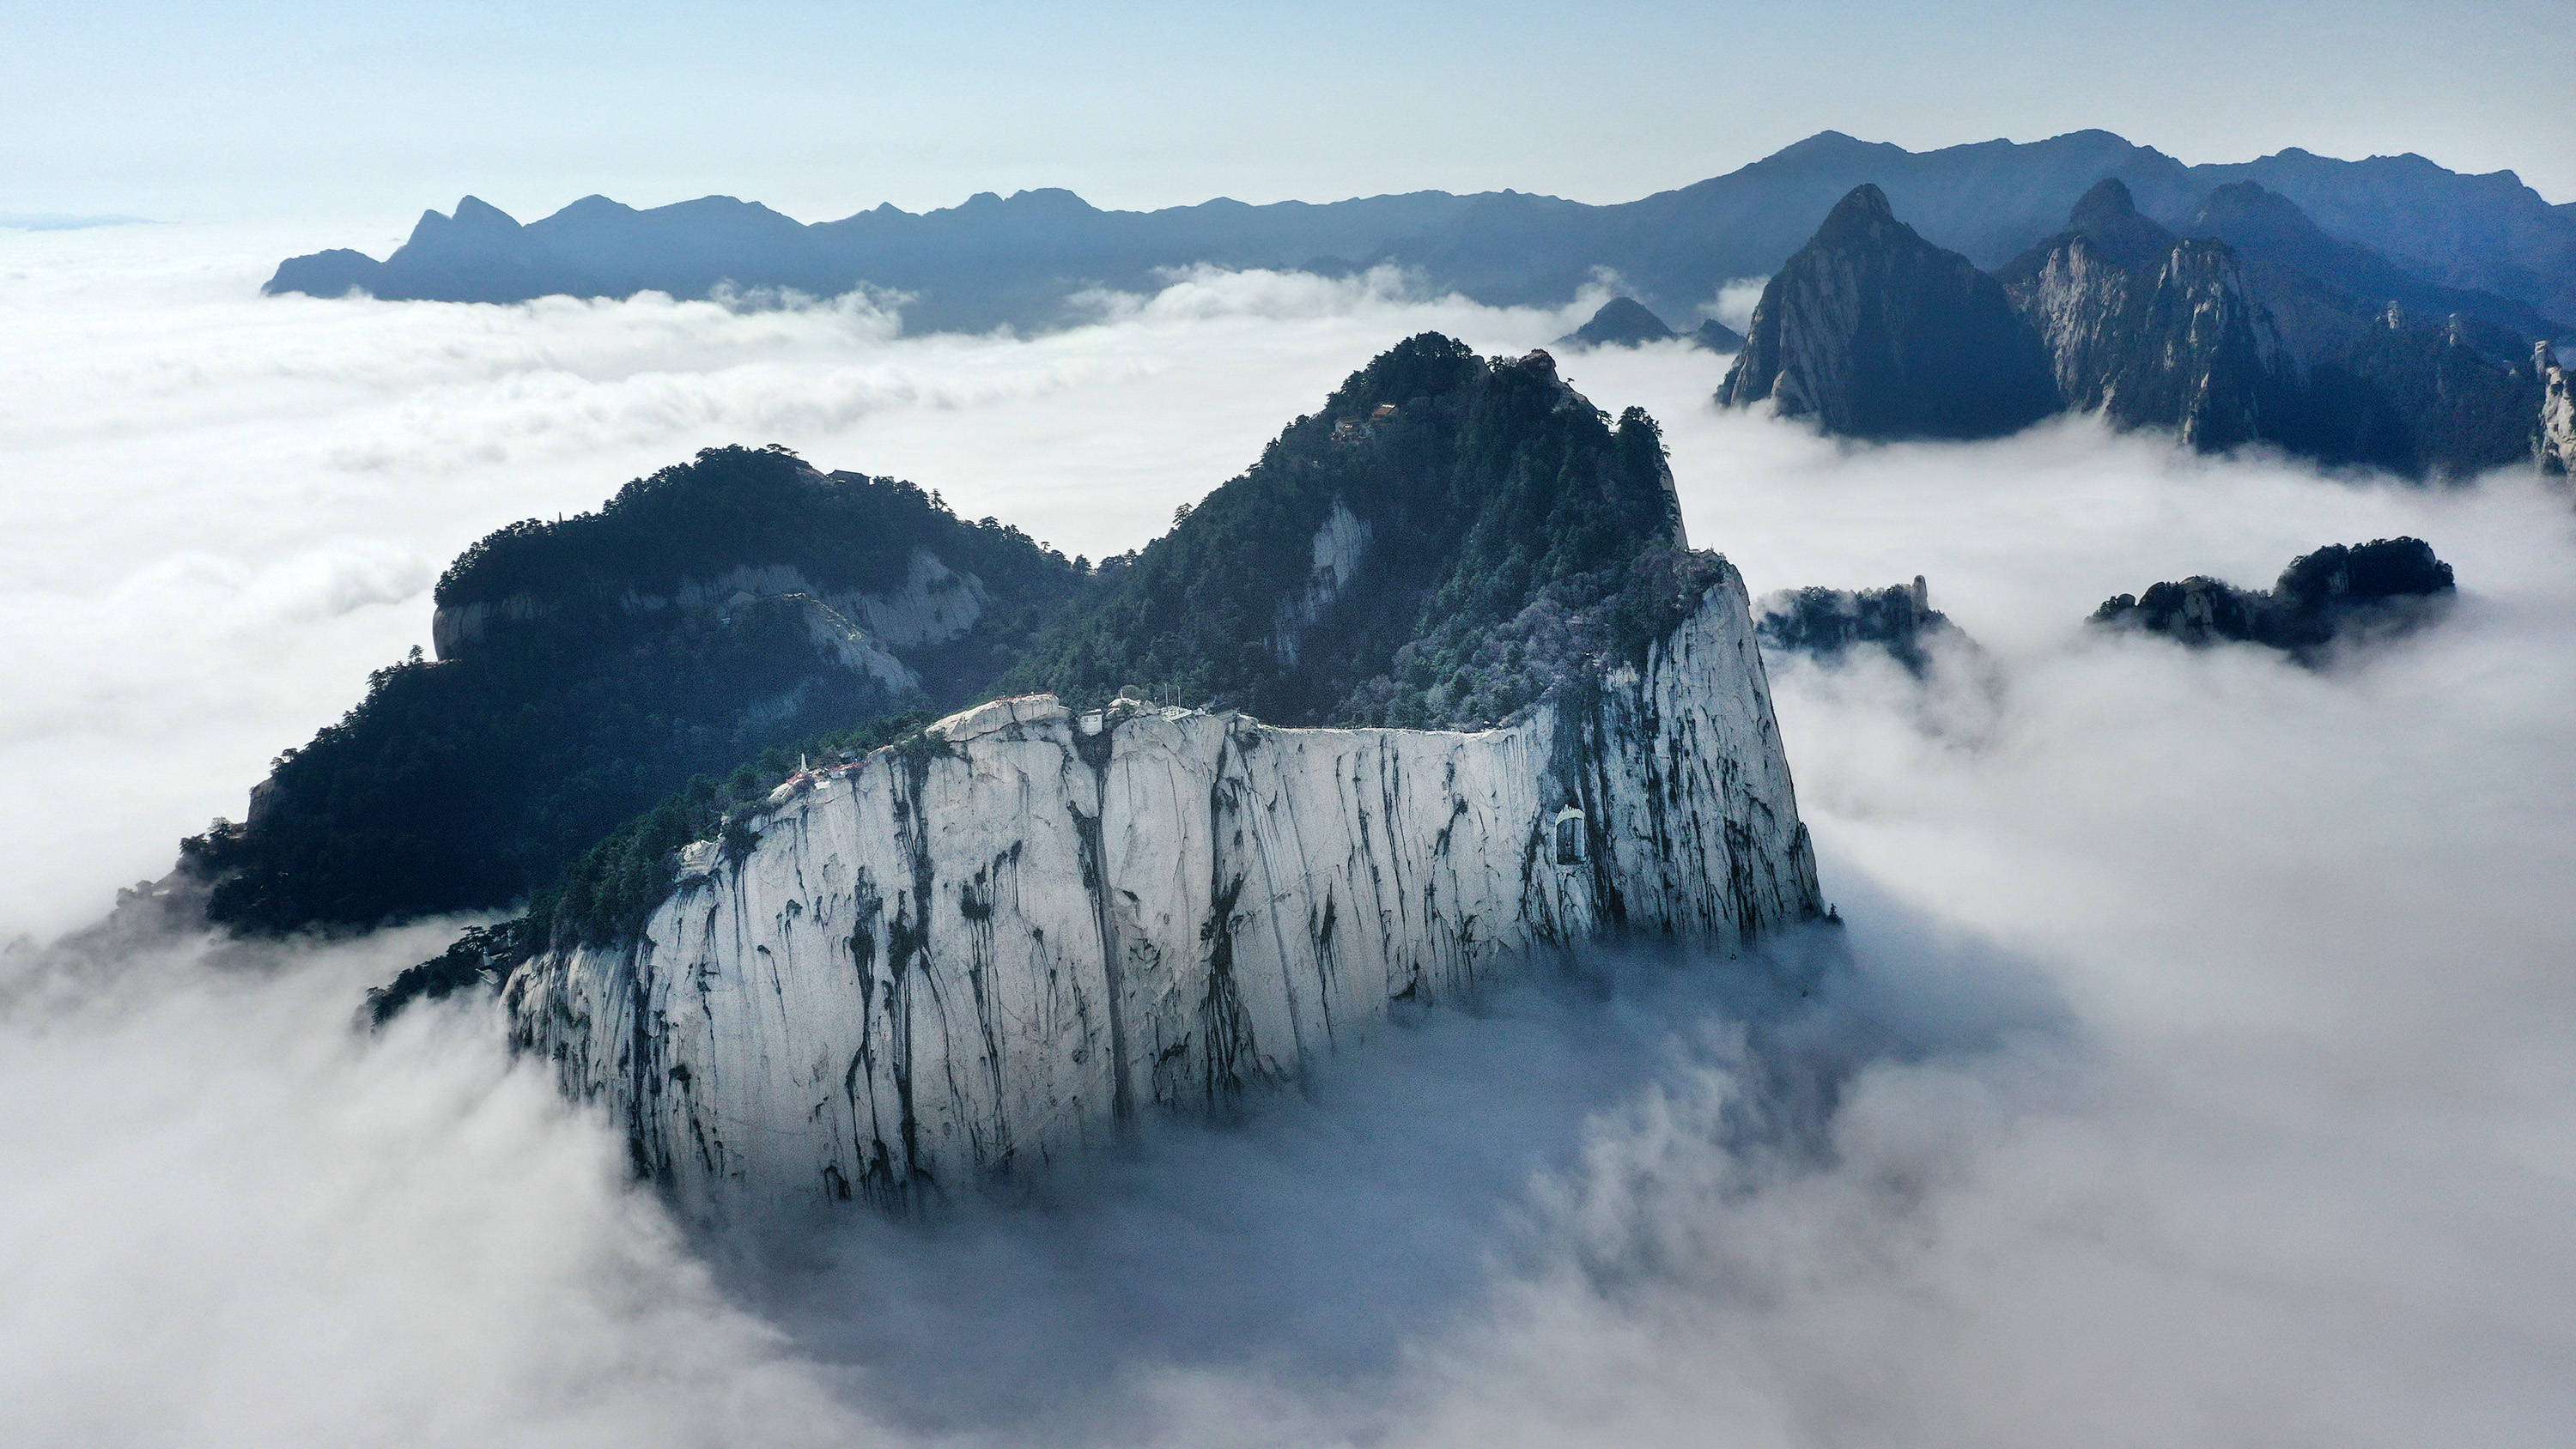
1000,941
2242,333
1461,696
1876,333
2553,442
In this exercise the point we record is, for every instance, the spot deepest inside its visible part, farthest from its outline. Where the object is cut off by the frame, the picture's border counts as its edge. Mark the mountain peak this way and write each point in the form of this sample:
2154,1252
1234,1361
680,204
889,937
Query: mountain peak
1621,322
2108,201
481,215
2107,216
1878,333
1860,213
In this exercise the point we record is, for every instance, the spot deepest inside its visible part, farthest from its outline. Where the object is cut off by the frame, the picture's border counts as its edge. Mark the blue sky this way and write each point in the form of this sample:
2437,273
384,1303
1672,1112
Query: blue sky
372,112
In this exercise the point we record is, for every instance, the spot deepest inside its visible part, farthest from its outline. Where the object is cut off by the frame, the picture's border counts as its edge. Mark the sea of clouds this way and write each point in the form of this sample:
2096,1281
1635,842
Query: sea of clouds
2197,1064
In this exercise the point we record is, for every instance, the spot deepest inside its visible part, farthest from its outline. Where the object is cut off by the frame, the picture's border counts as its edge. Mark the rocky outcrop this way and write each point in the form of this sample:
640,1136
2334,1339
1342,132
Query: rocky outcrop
1876,333
1340,546
1002,941
1827,624
1435,546
2553,442
2335,595
2151,331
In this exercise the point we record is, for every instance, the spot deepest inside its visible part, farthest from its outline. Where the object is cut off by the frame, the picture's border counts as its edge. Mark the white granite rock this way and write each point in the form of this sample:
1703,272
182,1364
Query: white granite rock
2553,443
993,946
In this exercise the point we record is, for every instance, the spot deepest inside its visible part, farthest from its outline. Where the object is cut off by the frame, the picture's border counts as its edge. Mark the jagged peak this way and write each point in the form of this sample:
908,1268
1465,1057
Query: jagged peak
1862,213
1620,322
474,211
2108,217
2107,200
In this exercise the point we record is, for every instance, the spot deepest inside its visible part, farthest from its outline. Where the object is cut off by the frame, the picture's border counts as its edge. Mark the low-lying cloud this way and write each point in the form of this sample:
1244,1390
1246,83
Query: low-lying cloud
225,509
2197,1064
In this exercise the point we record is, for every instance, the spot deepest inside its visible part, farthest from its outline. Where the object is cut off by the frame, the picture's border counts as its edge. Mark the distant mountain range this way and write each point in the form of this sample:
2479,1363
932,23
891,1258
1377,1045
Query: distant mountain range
2251,325
1020,260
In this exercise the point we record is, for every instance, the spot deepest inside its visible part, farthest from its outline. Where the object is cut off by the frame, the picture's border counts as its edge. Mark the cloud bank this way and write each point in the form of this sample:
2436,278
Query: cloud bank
2198,1064
224,510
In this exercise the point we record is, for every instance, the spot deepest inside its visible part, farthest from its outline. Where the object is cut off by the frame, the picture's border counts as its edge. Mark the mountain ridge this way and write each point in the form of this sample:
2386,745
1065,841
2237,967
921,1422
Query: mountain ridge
1874,332
1017,260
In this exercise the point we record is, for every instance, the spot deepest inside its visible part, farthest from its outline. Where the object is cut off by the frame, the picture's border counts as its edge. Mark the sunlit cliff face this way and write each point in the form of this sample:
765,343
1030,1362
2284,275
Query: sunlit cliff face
2197,1067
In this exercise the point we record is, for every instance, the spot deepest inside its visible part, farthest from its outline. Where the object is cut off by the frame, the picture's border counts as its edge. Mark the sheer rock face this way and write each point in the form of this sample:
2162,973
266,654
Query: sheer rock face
992,947
2152,331
1340,547
2554,444
1876,333
2149,330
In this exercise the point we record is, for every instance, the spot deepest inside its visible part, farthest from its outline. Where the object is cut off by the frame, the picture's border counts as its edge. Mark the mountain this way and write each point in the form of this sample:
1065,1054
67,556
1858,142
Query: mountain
999,941
1448,539
1003,941
1716,336
2485,233
2333,595
1621,322
588,668
1022,260
2269,231
896,959
2148,329
2252,330
2151,330
1876,333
